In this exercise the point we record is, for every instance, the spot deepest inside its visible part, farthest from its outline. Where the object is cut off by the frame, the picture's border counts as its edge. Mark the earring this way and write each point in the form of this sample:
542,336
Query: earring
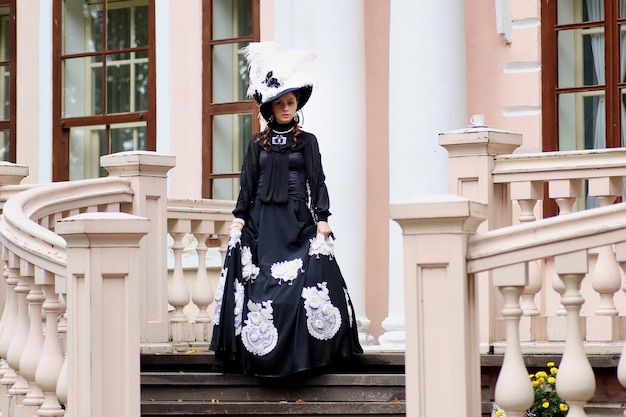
296,118
271,118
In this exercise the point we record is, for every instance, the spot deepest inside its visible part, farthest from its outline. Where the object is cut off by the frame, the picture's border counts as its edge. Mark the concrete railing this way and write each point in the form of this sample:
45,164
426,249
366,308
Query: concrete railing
86,284
514,187
443,260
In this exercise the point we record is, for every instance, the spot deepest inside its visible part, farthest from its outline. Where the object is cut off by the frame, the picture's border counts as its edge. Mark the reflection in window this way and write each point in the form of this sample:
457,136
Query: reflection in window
231,134
89,143
105,73
126,68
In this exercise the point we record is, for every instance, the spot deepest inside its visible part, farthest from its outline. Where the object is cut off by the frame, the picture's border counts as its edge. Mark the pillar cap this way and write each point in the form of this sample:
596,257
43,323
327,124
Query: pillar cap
101,227
134,163
479,141
439,213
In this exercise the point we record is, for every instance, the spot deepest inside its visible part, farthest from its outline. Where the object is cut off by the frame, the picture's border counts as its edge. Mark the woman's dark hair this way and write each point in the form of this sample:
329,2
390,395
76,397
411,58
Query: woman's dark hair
266,135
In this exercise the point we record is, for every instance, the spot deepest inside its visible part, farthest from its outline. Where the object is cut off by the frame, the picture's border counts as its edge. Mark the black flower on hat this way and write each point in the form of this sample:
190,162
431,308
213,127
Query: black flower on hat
270,81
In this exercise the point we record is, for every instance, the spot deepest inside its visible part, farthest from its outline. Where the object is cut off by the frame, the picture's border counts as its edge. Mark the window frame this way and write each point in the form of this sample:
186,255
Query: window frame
211,109
62,125
549,59
11,123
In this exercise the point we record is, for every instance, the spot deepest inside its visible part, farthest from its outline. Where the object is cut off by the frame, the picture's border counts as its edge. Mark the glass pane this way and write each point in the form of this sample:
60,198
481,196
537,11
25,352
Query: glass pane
582,121
118,84
128,137
82,87
230,73
579,11
82,27
232,18
118,28
141,25
5,32
141,82
87,145
225,188
580,57
231,135
5,93
5,142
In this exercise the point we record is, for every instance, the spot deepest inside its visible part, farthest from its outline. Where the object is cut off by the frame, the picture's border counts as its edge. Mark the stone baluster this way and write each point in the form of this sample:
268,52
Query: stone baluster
10,313
18,341
565,192
178,292
103,311
513,391
620,255
51,361
202,294
606,279
527,193
576,383
34,345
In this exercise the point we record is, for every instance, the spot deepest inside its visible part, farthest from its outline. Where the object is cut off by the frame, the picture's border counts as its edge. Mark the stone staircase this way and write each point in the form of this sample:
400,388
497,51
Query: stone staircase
183,385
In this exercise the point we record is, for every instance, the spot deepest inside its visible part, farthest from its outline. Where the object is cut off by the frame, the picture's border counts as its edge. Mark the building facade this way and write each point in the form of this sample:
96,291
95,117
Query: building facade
85,78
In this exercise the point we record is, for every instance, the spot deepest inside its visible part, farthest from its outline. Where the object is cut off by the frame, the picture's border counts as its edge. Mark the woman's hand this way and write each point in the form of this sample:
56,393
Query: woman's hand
323,229
236,224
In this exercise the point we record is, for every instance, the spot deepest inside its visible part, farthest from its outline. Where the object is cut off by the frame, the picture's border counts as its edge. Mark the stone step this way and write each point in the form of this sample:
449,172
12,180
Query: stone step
250,408
197,386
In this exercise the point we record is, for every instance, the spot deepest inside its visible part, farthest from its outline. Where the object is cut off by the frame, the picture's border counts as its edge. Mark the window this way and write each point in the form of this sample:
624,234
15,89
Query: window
7,81
104,70
584,74
229,117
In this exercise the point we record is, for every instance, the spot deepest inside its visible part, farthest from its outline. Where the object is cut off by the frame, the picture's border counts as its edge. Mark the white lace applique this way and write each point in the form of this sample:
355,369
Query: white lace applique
235,237
249,270
287,271
320,246
323,318
259,335
219,295
238,311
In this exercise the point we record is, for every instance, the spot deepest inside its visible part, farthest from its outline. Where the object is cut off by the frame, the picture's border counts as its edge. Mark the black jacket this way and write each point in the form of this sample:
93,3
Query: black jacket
318,193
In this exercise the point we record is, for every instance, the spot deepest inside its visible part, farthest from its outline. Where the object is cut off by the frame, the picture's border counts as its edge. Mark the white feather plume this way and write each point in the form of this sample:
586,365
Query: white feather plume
267,61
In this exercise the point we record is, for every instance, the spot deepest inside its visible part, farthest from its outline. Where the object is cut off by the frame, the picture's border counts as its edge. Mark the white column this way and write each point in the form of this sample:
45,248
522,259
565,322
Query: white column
427,95
336,115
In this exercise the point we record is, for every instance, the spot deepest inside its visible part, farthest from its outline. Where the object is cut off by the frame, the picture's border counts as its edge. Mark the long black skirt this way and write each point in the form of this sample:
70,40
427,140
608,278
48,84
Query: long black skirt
281,305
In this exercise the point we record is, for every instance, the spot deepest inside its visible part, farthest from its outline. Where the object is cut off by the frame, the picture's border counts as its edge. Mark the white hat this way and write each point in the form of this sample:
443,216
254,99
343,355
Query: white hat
274,72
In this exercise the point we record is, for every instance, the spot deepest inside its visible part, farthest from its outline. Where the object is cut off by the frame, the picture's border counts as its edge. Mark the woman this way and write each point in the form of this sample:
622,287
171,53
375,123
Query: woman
282,305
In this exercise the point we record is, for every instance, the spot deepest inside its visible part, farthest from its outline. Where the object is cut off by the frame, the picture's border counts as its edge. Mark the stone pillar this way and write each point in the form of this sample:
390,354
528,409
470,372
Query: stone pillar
103,298
471,156
440,305
427,95
148,175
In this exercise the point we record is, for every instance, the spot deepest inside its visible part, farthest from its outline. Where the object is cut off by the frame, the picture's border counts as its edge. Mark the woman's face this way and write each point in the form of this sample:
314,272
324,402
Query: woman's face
284,108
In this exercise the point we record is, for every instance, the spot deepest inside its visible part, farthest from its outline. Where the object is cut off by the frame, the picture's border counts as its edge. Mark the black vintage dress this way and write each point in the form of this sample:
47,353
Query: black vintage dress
282,305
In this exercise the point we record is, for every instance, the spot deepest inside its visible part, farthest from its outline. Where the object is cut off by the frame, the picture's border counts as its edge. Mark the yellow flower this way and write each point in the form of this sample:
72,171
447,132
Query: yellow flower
550,364
541,380
531,376
551,380
541,374
535,383
499,412
554,370
563,407
545,404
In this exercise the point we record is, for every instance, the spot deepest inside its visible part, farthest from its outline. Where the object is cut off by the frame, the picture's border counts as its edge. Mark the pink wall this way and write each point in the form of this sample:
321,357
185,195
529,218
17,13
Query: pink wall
504,80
